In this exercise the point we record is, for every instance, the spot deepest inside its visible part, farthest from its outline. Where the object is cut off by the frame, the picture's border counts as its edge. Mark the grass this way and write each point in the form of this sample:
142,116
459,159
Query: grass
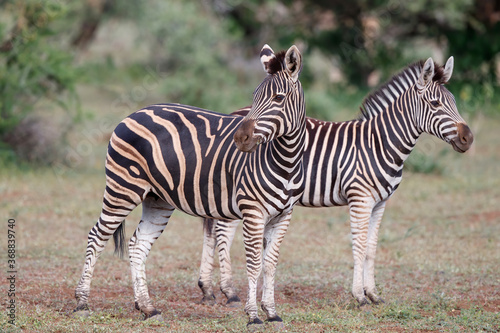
436,267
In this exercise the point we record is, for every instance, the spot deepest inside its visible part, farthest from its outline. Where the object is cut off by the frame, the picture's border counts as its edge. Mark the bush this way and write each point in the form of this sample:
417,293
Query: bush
200,60
34,68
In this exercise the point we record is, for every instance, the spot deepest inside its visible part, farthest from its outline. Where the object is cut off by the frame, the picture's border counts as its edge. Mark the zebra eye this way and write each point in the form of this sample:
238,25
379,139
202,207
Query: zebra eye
278,98
435,103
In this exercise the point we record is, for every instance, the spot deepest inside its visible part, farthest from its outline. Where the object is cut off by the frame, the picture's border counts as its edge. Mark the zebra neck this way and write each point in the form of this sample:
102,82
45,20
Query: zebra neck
392,107
396,131
287,150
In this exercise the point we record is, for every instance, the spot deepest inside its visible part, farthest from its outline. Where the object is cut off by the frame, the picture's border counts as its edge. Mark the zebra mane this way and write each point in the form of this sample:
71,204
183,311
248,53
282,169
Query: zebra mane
377,101
277,63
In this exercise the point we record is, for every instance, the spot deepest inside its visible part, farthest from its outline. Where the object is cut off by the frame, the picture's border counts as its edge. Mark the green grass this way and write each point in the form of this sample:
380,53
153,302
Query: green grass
437,259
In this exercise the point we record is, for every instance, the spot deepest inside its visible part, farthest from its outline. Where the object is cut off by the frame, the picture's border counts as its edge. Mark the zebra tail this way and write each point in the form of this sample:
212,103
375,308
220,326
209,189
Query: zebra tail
119,239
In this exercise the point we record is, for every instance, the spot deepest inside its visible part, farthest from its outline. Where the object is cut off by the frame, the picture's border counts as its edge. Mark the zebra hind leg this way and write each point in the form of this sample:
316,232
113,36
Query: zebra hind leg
225,231
205,281
114,211
218,234
369,264
155,216
360,211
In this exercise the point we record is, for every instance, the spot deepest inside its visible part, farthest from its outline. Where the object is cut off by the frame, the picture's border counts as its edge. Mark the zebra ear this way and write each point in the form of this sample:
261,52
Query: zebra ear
293,62
448,70
426,75
266,54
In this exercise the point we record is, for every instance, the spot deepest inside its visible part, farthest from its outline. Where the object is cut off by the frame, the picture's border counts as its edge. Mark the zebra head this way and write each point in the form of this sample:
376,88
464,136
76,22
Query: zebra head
438,111
278,107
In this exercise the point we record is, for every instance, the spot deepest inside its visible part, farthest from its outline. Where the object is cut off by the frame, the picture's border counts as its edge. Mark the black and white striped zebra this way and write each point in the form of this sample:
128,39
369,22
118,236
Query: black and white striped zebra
359,163
172,156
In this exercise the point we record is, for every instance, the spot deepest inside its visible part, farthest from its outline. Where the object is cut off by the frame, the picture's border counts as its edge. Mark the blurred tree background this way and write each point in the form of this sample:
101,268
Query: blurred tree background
71,70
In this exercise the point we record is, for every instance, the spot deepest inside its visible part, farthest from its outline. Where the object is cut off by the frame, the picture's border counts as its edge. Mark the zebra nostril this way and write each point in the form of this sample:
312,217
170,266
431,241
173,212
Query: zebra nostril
465,134
241,138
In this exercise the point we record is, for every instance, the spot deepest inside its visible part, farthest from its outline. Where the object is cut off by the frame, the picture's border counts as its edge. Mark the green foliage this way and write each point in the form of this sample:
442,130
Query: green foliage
33,66
195,55
205,54
367,37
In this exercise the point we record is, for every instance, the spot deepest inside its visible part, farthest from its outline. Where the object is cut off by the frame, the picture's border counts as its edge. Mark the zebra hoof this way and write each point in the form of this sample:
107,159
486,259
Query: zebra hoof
233,302
276,323
154,315
255,325
208,300
157,318
377,301
363,302
81,311
374,298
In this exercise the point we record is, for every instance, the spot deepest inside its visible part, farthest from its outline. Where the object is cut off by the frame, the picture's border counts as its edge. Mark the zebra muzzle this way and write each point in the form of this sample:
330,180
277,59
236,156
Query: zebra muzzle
464,138
244,137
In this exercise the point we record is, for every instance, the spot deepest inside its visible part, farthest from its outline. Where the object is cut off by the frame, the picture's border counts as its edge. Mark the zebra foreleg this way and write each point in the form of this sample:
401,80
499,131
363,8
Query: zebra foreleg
225,231
273,237
205,281
369,265
253,234
360,211
155,216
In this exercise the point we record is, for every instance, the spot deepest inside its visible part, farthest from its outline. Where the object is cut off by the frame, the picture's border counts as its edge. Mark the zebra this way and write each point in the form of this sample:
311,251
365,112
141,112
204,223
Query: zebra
359,163
172,156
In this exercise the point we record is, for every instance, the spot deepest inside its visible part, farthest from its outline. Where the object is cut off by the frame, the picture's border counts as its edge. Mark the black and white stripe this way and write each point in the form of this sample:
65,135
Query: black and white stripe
359,163
171,156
